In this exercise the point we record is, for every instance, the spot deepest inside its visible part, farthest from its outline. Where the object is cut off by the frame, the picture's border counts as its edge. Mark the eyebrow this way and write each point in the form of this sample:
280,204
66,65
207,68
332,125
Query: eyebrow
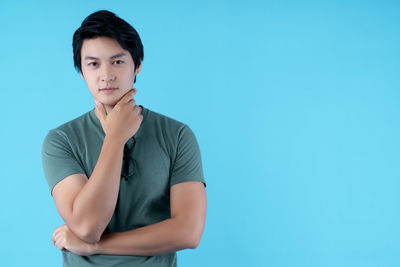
112,57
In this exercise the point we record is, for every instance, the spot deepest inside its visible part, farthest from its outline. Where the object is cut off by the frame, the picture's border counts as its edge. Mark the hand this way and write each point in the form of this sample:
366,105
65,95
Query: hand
123,121
65,240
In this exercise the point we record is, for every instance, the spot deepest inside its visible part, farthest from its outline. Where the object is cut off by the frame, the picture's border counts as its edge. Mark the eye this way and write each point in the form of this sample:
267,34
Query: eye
119,62
90,64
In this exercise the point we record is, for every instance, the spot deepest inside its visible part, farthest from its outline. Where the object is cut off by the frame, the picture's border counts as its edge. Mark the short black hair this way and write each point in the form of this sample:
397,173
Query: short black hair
104,23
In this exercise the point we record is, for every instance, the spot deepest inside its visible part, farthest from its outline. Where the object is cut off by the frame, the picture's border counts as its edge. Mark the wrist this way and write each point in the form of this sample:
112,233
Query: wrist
94,248
113,141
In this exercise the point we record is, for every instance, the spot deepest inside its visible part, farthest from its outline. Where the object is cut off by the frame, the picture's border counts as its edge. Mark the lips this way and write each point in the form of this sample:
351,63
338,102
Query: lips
108,91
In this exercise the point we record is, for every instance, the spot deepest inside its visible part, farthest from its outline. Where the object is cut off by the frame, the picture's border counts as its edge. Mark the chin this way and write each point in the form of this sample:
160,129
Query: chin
110,100
110,103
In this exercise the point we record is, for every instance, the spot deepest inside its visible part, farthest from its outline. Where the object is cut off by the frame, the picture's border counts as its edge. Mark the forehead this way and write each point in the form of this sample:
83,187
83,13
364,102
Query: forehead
101,47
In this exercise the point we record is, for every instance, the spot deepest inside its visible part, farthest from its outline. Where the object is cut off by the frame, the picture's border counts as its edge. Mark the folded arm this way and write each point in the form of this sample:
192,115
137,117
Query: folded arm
183,230
87,205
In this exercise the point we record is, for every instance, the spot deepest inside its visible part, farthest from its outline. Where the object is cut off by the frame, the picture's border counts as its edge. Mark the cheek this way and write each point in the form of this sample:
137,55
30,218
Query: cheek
91,85
129,77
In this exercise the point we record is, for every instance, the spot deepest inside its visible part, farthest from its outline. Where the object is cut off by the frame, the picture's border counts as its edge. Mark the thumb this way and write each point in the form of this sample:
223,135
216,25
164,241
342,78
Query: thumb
100,110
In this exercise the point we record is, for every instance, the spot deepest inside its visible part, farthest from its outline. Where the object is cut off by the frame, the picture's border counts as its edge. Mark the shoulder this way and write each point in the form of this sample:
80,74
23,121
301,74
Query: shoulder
158,118
74,124
67,131
165,124
175,131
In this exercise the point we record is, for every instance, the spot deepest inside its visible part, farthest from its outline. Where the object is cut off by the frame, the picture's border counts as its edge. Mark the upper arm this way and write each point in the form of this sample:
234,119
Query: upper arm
65,192
59,159
187,164
64,173
187,193
189,203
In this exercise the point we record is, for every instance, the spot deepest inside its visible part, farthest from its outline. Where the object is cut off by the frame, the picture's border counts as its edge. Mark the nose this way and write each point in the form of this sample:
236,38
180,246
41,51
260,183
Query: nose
107,74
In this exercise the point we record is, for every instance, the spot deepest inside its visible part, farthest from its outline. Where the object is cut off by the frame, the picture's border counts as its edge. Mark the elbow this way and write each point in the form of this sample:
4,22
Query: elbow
192,238
91,238
88,235
193,243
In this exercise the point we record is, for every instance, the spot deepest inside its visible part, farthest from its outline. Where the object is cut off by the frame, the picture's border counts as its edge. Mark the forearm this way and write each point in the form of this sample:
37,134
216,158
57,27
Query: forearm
183,230
94,205
164,237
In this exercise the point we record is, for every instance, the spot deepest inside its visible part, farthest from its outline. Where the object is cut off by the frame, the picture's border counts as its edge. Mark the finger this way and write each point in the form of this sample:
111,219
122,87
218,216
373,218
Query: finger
58,229
53,236
128,96
57,241
57,238
59,234
132,102
101,111
138,110
59,244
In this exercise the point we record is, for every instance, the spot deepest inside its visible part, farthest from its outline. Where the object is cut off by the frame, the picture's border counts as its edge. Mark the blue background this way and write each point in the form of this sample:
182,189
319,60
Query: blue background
295,105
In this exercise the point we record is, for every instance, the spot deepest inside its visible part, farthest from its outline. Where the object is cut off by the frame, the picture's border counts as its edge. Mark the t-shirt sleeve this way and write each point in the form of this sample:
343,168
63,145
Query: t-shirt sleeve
187,166
58,160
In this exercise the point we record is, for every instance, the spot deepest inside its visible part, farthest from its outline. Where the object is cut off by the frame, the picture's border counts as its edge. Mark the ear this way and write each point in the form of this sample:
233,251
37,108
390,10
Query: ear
138,69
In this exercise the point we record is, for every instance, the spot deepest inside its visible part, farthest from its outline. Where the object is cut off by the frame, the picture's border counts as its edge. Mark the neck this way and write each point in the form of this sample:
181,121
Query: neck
108,108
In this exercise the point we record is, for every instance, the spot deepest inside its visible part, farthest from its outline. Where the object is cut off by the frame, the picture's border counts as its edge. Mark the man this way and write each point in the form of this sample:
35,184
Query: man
127,181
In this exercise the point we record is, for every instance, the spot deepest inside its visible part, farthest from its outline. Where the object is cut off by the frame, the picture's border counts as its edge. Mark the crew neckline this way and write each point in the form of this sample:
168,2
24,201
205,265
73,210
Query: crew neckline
98,123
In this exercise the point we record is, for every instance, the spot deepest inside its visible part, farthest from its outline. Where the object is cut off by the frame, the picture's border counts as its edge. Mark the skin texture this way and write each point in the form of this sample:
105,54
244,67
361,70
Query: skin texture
183,230
87,205
106,71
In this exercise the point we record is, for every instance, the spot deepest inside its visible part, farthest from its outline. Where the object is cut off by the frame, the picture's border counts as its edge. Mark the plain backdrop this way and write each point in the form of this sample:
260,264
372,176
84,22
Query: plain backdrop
295,105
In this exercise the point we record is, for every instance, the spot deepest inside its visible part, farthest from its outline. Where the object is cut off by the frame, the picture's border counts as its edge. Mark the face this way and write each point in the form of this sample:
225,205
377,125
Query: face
105,64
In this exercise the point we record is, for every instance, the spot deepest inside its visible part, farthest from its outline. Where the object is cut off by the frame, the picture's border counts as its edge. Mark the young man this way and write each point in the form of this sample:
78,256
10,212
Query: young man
127,181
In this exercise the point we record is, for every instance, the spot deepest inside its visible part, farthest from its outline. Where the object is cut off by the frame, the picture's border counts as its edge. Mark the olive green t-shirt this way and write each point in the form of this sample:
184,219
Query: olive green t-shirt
165,153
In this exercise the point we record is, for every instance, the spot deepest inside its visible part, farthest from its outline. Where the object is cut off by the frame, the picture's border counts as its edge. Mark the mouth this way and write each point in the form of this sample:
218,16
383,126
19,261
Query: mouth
108,91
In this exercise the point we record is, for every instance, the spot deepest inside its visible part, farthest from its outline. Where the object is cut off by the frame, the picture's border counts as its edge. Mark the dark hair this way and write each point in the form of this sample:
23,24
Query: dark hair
104,23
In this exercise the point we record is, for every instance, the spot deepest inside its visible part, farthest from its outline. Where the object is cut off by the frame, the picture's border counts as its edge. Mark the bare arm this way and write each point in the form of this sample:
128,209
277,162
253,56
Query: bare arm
183,230
87,205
